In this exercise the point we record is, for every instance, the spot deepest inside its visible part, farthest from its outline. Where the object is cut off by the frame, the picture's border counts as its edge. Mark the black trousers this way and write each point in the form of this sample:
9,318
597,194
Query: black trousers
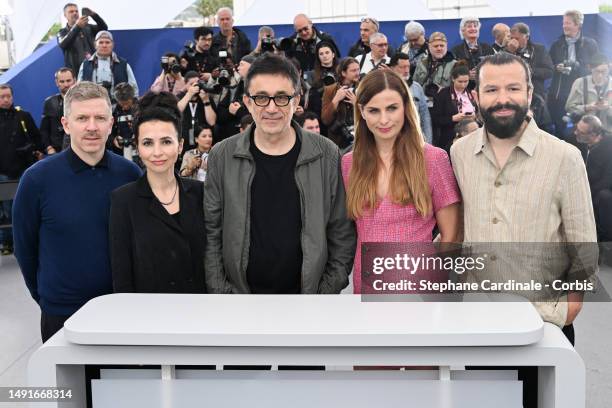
50,324
602,204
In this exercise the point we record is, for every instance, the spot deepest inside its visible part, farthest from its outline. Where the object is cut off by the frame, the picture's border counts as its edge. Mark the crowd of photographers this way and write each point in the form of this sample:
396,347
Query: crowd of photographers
207,75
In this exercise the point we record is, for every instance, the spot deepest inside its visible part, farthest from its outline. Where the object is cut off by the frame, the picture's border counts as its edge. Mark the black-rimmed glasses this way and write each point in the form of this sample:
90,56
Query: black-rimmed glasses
264,100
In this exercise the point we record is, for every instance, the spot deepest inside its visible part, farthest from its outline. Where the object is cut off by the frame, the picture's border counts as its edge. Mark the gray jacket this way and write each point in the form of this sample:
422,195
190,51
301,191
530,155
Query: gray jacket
328,235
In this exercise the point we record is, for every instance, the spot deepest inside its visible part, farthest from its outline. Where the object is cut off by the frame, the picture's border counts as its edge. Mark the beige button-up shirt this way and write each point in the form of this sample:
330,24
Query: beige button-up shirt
540,196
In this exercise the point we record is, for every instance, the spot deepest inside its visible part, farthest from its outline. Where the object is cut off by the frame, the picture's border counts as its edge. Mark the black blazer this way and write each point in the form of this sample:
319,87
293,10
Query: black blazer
150,251
442,118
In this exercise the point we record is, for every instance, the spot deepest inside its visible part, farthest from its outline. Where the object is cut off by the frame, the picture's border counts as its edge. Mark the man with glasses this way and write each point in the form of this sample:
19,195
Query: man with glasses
377,57
595,144
200,58
304,42
274,202
592,94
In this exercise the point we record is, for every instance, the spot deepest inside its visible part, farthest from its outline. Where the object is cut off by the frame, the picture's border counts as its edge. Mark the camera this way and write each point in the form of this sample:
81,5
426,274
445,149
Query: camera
431,89
188,49
567,67
168,68
329,79
346,132
108,86
211,89
268,44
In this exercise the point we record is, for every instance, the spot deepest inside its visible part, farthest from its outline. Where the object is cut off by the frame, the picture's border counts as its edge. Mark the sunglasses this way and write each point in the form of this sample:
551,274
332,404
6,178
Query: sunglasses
370,20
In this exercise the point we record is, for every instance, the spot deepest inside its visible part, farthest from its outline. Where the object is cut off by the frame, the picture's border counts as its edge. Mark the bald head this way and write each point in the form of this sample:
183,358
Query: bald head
303,27
501,34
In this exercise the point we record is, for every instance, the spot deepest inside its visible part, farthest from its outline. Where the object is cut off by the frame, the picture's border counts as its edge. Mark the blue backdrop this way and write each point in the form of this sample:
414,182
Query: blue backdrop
32,78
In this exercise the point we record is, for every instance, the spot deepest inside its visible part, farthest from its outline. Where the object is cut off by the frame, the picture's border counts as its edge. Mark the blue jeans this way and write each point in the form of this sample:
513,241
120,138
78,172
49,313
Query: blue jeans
6,234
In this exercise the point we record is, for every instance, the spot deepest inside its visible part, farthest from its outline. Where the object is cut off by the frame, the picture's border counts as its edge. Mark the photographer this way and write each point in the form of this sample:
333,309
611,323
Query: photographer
339,103
324,72
471,49
198,56
19,148
265,41
231,107
195,161
452,105
76,39
570,55
197,108
400,64
170,80
51,128
377,57
304,42
229,37
105,67
368,26
434,71
535,55
416,45
121,140
592,94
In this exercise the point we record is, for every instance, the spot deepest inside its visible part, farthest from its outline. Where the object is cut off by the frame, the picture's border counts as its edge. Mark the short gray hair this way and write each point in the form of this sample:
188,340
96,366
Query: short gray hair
265,30
228,9
465,20
85,91
376,36
594,124
521,28
414,27
576,16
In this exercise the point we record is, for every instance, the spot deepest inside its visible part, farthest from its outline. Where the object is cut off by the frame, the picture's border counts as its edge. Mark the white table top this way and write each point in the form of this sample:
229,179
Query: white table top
298,321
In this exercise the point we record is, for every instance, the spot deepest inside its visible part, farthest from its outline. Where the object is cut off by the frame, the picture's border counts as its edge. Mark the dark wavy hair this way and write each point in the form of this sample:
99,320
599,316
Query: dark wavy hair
160,106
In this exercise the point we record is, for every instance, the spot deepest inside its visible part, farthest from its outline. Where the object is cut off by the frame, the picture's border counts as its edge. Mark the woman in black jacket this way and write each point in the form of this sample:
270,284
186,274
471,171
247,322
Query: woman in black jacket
157,222
451,105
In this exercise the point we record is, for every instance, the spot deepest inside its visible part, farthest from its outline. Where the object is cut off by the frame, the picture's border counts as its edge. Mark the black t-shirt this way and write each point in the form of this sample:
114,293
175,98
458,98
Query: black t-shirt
275,252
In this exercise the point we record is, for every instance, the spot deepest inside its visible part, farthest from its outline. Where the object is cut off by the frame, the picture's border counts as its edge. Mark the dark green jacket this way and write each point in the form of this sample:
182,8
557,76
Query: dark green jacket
328,235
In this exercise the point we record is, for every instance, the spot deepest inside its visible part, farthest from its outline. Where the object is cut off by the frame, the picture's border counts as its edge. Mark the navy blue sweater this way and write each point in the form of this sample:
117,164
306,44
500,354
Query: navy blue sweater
60,228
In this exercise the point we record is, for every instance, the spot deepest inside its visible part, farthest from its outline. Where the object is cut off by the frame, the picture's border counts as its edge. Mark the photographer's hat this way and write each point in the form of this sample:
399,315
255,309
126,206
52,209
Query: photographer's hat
104,34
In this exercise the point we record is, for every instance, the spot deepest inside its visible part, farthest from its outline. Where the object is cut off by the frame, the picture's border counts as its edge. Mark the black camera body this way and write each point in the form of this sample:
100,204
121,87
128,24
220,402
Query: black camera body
211,89
431,89
268,44
567,67
189,50
329,79
170,68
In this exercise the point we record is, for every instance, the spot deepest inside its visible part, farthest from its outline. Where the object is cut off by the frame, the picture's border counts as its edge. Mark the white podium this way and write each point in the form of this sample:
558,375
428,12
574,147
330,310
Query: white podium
339,332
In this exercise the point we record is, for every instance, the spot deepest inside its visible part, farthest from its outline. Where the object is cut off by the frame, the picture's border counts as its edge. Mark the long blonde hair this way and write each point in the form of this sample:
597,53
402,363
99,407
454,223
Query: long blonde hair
408,183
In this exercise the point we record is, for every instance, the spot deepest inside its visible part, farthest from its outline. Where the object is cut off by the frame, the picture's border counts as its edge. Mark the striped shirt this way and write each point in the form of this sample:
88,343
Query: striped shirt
541,195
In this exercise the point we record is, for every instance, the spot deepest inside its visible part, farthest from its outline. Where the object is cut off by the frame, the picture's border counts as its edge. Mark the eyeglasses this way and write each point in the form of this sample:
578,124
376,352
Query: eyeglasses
303,29
381,45
264,100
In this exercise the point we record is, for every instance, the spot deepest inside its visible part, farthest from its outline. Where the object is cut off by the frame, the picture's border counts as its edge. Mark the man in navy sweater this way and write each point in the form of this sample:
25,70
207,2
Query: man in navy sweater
61,212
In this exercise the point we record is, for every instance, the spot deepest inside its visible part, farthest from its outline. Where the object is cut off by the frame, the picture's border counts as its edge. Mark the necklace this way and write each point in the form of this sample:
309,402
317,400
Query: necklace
173,196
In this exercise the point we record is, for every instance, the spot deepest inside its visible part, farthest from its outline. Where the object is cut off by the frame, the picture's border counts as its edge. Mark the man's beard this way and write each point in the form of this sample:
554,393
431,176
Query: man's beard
506,127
